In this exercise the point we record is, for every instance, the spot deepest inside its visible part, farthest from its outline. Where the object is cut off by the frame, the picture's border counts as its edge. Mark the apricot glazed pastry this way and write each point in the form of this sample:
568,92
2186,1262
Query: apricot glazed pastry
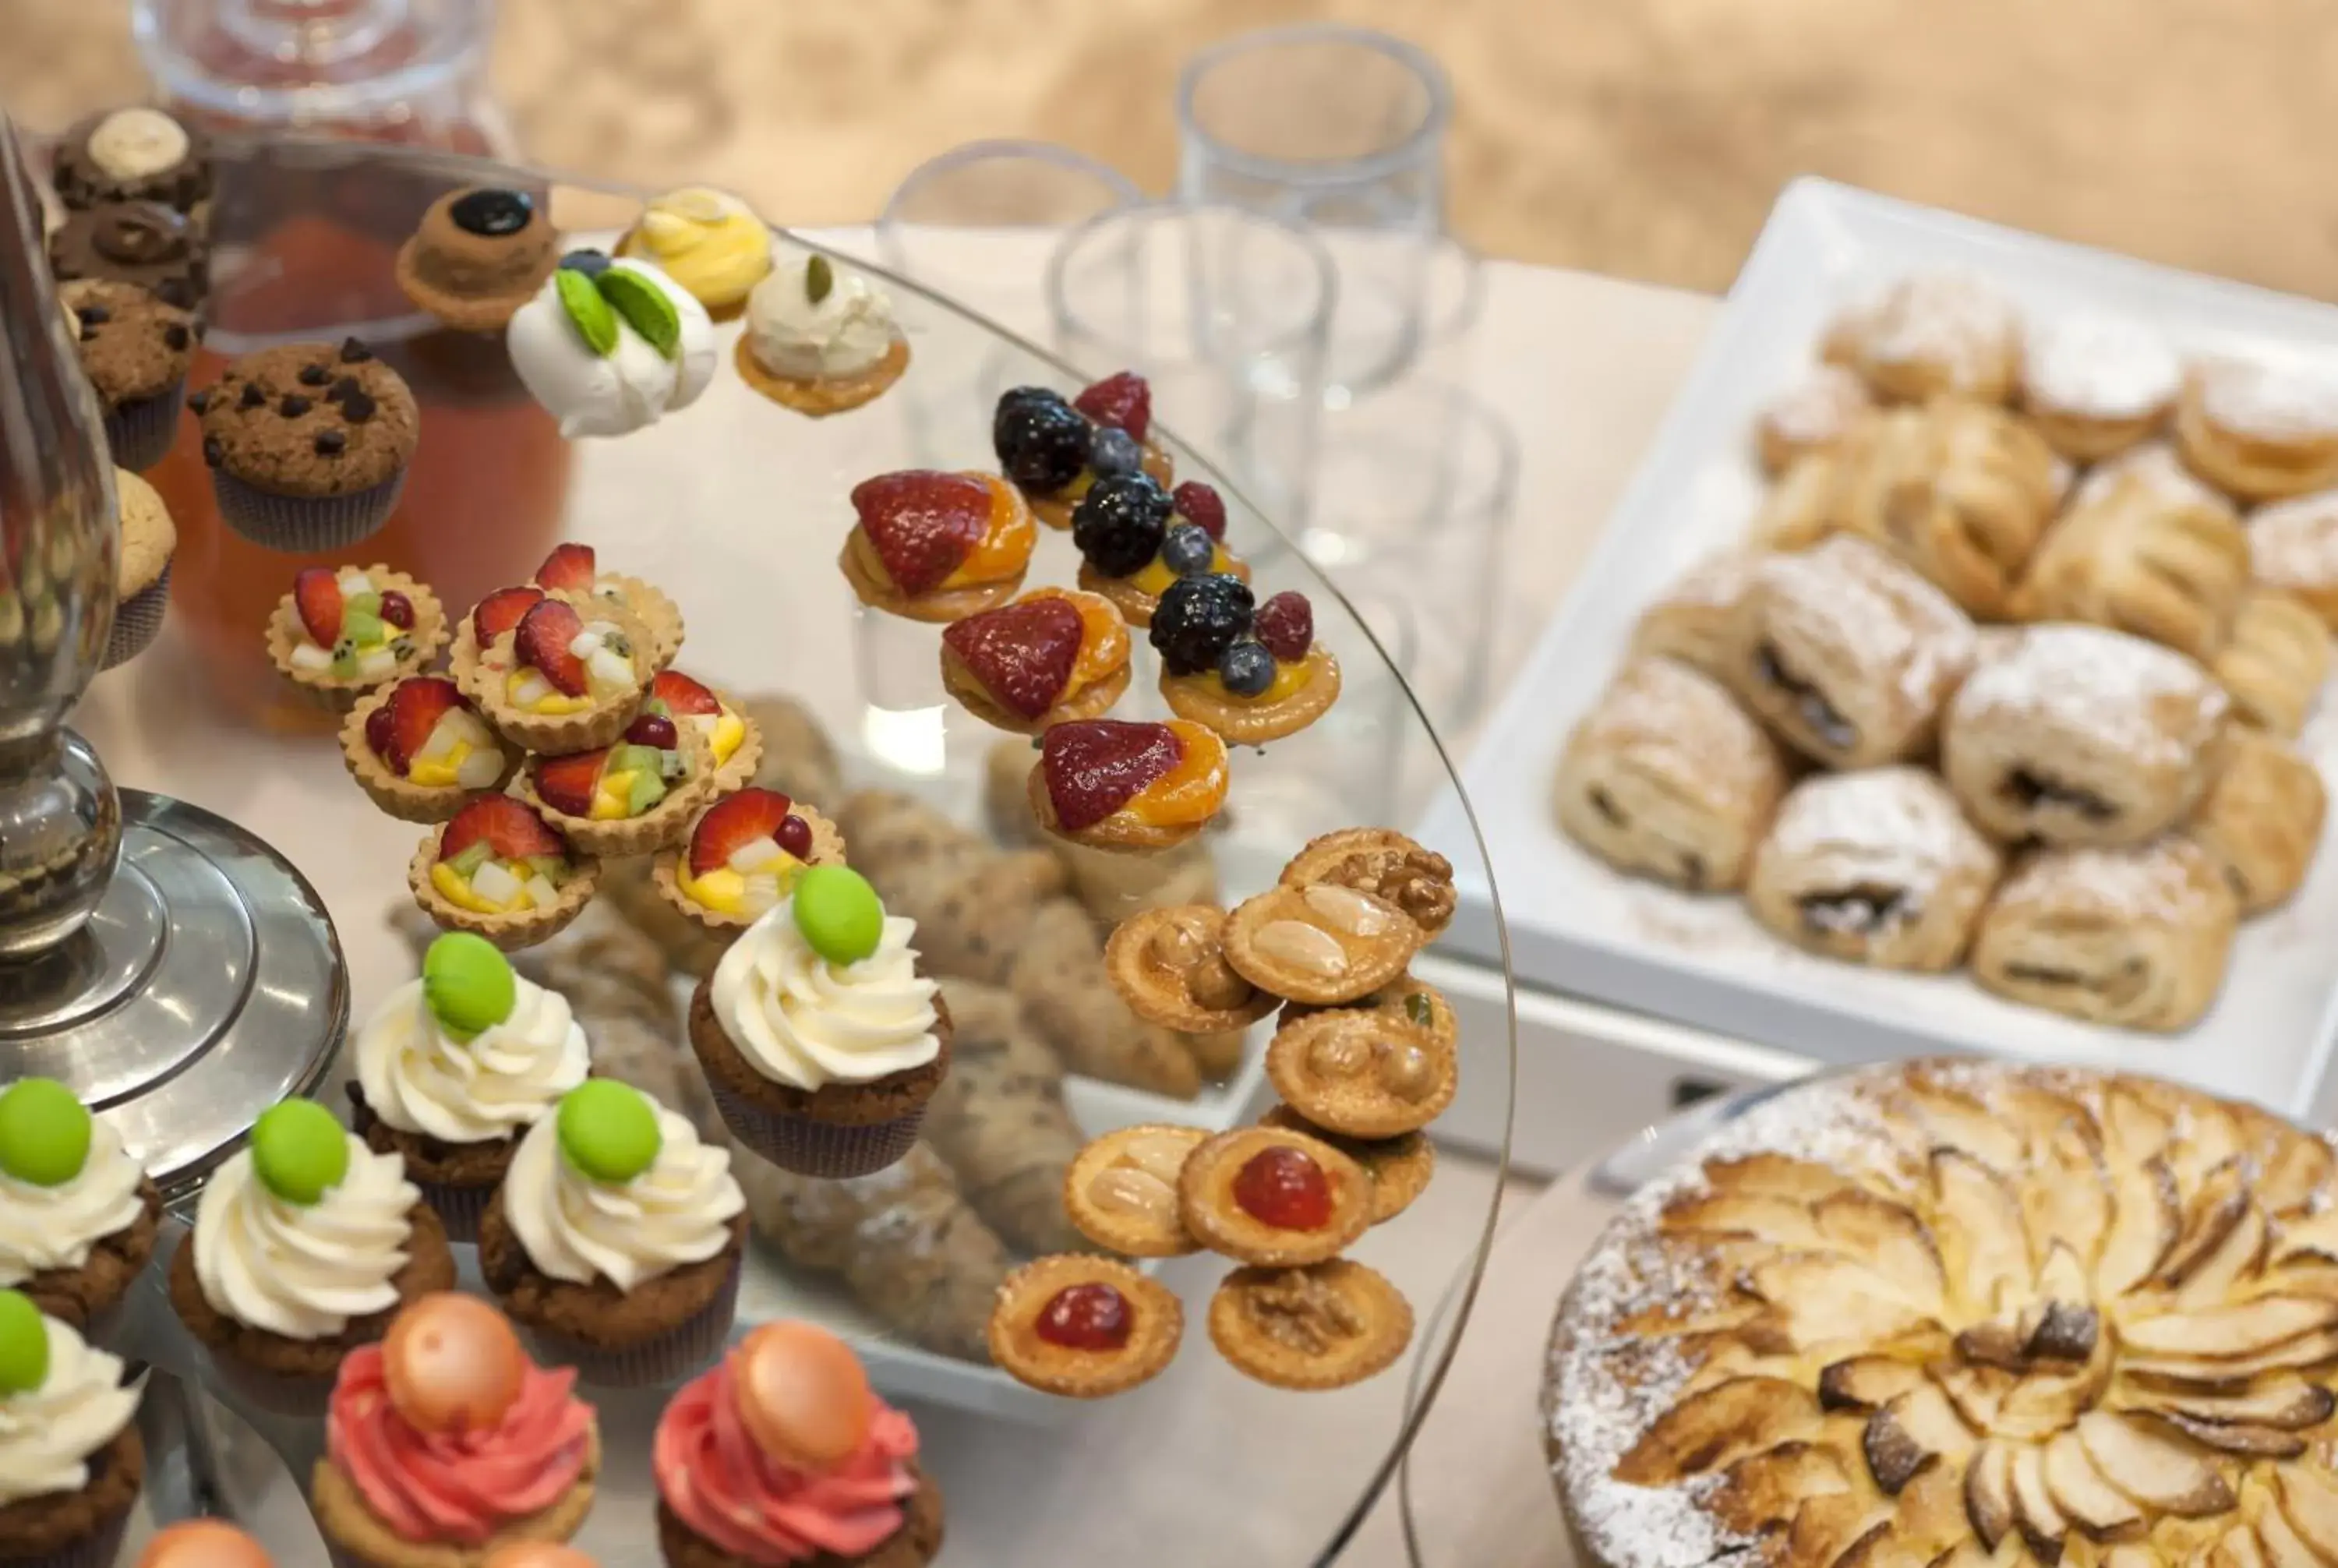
1135,538
733,741
1272,1196
1084,1326
1050,657
1400,1167
629,798
743,855
498,868
559,681
1169,964
343,631
420,750
1323,944
1121,1191
1253,676
1055,451
1383,862
575,570
934,546
1308,1329
1115,785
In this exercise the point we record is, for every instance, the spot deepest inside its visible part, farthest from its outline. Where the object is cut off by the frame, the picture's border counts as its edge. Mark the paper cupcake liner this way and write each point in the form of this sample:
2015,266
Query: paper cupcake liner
459,1208
137,621
679,1353
822,1150
305,524
98,1549
139,433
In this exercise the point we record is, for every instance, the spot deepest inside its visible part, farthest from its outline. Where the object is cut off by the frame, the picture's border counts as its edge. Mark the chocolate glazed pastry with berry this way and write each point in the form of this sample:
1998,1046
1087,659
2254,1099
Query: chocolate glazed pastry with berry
479,254
141,242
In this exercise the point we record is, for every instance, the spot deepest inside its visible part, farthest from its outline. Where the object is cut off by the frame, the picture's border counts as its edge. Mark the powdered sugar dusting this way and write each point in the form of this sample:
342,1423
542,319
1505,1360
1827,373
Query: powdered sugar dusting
2121,690
1956,321
2099,366
2156,463
1846,596
1897,825
2294,543
2170,882
1819,408
1683,719
2277,402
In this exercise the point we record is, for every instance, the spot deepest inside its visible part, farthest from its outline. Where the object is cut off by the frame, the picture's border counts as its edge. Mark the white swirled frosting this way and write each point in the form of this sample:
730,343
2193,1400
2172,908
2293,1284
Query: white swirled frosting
419,1079
848,333
47,1436
673,1214
805,1022
303,1272
45,1227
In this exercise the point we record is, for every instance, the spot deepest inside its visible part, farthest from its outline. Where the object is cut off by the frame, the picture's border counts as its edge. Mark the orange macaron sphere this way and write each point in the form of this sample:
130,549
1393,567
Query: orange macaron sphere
452,1363
202,1543
538,1554
802,1394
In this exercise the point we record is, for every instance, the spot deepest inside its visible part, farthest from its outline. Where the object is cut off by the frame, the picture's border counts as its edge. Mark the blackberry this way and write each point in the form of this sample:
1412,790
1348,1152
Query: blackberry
1041,440
1247,669
1119,525
1114,451
1198,619
1188,551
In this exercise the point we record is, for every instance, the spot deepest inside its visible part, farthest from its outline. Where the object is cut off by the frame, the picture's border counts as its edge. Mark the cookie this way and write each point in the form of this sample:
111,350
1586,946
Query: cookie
1170,966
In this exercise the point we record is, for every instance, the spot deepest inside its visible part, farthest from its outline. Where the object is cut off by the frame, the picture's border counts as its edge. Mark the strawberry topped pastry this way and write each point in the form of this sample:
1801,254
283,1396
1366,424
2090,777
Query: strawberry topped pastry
744,855
934,546
575,570
1056,450
733,744
1252,675
1136,539
568,677
1048,658
628,798
419,749
492,617
1114,785
498,868
343,631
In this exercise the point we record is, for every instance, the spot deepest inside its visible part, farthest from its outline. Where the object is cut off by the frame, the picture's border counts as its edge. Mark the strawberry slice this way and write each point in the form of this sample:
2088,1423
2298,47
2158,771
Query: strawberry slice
1124,399
1094,767
682,696
1023,653
567,784
734,821
317,595
413,711
500,611
542,644
923,522
569,566
510,829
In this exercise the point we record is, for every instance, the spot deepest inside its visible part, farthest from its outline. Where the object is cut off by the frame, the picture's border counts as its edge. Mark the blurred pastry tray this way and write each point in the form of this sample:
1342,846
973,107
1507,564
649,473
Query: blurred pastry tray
1576,927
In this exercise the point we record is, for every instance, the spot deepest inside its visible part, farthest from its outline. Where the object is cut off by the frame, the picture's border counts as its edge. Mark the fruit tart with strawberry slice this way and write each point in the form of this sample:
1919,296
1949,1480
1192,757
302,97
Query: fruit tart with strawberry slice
1252,675
568,677
1137,540
499,869
934,546
629,798
575,570
732,741
744,854
1050,657
492,617
1055,450
343,631
420,750
1127,787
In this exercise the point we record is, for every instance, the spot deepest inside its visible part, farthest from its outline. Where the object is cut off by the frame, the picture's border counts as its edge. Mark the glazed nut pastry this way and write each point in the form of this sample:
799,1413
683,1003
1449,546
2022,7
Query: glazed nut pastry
1321,943
2275,661
2081,735
1878,868
1691,622
1961,1313
1384,863
1170,966
2133,558
2261,818
1930,333
1826,404
1667,778
2294,550
2093,384
2137,937
1326,1326
2258,431
1847,655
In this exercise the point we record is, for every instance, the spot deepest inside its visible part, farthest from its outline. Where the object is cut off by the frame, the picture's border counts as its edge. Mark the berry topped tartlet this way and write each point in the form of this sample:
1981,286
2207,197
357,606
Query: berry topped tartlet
1048,658
1253,676
568,677
1137,540
1055,450
628,798
733,743
1114,785
340,633
934,546
420,750
496,615
477,256
573,570
745,854
497,868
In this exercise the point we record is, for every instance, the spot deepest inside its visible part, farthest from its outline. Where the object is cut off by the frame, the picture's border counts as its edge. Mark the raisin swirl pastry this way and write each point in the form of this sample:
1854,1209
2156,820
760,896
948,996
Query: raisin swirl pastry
1960,491
2081,735
2135,557
1666,777
1846,653
1878,868
1690,623
2275,661
2261,817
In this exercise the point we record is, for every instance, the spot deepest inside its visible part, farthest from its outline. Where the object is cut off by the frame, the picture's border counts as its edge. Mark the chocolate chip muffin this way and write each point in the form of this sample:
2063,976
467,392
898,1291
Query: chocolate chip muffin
135,350
479,254
134,154
141,242
308,444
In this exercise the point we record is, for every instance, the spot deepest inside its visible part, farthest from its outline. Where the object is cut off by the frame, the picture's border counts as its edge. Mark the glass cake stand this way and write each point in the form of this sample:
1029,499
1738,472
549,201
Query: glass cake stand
737,507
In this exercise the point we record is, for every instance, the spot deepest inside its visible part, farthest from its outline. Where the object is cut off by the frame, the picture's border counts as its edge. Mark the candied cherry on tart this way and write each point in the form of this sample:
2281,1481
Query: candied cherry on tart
1113,784
353,628
418,747
1252,674
627,799
498,868
1137,539
1055,449
931,545
1270,1195
729,736
1084,1326
1051,656
743,855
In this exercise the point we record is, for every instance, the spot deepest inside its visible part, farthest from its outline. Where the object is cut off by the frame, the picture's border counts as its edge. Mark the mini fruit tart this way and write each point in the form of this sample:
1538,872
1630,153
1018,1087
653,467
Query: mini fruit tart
1084,1326
559,681
499,869
342,633
1269,1195
1056,450
1310,1330
1115,785
629,798
1400,1167
495,616
1169,964
934,546
1322,944
1121,1191
733,743
573,571
1383,862
1362,1072
1050,657
1252,677
743,855
420,750
1136,539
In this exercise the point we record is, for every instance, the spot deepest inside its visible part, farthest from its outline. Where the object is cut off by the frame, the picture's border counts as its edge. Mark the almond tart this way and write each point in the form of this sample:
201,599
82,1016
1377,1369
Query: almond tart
1272,1196
1385,863
630,799
1084,1326
419,749
345,630
569,676
1323,944
573,570
1364,1072
1121,1191
1400,1167
1308,1329
497,868
1262,682
1170,966
1132,787
741,857
734,741
1048,658
1406,998
934,546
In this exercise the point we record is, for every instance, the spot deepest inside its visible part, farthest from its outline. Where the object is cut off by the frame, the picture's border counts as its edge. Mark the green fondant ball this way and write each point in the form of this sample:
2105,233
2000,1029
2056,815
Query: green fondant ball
839,913
608,1130
298,1151
468,984
43,1132
24,1345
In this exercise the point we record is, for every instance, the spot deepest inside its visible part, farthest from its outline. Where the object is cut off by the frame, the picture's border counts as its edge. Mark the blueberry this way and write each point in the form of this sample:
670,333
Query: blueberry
1247,669
1042,441
592,263
490,213
1114,451
1188,551
1120,523
1198,619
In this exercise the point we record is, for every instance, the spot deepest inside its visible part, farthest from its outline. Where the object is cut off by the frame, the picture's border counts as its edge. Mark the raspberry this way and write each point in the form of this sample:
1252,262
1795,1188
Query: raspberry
1286,625
1197,503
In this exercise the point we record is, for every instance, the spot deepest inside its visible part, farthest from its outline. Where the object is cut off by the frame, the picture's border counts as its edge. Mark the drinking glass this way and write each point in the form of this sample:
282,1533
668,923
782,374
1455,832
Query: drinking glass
964,222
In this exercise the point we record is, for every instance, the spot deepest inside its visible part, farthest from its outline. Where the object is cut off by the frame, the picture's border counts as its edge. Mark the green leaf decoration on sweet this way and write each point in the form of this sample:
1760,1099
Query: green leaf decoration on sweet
298,1151
468,985
1417,1008
595,321
608,1130
644,306
839,913
24,1345
44,1132
820,279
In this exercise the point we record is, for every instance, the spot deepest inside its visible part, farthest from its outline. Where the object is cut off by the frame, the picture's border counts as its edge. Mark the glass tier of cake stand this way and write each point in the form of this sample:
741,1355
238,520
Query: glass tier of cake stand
737,507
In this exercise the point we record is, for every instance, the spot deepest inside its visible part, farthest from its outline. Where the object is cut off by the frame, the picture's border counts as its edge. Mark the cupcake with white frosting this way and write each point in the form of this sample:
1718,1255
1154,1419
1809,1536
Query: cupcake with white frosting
71,1462
306,1243
820,340
455,1065
77,1214
617,1237
823,1043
